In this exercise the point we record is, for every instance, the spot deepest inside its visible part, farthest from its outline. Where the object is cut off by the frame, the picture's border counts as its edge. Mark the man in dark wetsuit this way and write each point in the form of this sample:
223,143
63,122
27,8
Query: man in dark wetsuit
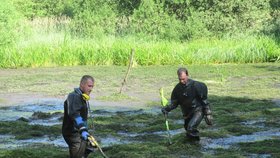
76,111
191,95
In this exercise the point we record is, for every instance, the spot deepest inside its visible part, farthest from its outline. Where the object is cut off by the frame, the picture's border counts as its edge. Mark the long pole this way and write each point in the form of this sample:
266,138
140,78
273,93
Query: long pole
164,103
94,143
167,128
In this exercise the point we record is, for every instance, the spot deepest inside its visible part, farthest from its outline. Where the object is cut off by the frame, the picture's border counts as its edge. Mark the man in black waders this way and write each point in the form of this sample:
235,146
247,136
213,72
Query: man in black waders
191,95
76,111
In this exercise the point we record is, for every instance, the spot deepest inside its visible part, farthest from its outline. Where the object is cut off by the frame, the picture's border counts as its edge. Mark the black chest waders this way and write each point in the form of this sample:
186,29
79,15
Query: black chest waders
82,149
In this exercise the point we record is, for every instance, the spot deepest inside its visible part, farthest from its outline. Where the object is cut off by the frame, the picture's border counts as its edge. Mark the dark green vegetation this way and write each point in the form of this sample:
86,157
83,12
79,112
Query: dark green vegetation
44,33
148,144
21,130
262,147
172,20
35,151
242,97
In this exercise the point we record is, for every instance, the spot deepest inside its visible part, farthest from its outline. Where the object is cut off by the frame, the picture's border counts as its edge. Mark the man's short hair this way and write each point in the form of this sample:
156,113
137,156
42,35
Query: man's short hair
182,70
85,78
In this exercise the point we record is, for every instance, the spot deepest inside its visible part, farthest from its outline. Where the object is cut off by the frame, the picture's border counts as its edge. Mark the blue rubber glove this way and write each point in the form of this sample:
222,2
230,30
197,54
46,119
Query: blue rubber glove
85,135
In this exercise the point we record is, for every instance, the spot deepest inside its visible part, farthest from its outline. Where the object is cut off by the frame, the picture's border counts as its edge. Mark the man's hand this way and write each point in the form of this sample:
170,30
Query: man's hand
208,115
85,135
164,111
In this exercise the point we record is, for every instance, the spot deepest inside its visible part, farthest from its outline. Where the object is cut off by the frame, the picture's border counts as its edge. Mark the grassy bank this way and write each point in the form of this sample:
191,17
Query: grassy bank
49,42
61,50
40,34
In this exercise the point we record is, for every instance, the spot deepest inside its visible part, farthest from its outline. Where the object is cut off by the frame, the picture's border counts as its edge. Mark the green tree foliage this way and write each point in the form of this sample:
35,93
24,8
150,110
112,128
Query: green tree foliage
220,16
127,7
94,17
201,18
160,19
43,8
8,23
274,25
151,19
180,8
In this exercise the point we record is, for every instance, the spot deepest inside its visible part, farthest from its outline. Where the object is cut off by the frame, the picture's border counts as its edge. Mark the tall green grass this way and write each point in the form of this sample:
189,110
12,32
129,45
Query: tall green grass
50,43
115,51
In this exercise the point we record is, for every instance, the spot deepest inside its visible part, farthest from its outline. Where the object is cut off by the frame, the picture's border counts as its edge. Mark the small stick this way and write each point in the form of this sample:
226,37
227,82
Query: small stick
128,69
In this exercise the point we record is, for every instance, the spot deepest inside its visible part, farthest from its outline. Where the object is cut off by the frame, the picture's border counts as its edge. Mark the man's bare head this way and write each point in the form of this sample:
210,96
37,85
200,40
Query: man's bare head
86,84
183,75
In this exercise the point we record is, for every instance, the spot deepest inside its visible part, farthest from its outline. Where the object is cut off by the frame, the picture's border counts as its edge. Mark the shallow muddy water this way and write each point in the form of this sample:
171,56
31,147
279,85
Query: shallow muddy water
13,113
50,112
9,142
227,142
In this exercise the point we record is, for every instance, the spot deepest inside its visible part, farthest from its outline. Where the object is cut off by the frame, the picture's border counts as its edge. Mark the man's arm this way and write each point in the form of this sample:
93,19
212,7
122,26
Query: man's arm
74,107
171,106
173,103
202,96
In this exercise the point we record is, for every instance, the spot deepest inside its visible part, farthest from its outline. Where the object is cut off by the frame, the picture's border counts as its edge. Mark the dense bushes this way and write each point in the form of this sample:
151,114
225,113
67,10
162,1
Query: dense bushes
274,24
44,8
103,32
163,19
9,27
151,19
94,18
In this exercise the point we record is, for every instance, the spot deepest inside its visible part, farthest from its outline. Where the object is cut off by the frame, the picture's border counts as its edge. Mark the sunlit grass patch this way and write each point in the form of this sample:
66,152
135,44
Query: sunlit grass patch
2,100
153,104
117,97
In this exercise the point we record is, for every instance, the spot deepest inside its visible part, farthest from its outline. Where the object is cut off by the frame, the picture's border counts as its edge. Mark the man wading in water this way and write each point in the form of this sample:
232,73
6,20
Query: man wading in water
191,95
76,111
